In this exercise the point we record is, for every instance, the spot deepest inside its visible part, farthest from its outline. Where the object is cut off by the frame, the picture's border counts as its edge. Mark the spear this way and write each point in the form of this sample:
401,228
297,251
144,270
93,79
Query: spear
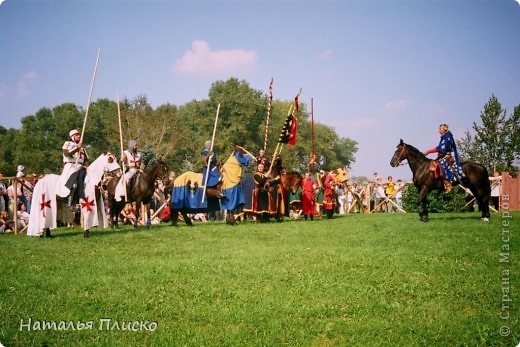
89,100
211,153
268,113
312,131
123,178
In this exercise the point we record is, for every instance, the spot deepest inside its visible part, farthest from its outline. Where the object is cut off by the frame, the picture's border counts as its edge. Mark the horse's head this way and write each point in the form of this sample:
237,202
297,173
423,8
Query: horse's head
399,154
340,175
161,170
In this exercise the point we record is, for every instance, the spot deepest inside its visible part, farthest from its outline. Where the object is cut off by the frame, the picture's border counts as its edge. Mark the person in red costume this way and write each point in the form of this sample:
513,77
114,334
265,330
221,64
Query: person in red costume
309,188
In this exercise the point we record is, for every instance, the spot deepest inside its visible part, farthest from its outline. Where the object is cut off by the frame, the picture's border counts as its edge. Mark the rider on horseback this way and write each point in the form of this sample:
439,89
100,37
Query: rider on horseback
447,158
133,160
71,181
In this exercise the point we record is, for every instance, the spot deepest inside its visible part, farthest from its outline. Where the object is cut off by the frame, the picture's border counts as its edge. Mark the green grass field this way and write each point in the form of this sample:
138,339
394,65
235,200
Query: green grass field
356,280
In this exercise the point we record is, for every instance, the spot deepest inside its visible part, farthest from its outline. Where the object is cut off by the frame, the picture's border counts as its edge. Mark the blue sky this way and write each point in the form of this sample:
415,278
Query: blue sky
378,70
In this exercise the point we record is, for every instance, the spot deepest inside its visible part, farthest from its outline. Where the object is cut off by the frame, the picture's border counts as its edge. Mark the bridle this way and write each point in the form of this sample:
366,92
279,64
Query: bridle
397,157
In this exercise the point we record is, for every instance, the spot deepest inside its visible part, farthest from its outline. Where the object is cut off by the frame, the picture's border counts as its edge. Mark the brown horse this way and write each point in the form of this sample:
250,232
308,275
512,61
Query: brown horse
142,193
476,179
292,181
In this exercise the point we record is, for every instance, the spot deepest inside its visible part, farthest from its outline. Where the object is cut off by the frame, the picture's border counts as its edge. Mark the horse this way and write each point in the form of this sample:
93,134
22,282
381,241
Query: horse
476,179
292,181
141,193
47,209
188,191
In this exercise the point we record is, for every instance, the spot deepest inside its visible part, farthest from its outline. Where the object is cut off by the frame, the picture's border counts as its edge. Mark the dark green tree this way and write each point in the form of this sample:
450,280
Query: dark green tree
494,143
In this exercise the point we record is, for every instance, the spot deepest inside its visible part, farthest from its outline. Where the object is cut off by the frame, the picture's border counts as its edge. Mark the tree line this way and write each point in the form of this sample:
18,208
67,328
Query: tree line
173,133
496,142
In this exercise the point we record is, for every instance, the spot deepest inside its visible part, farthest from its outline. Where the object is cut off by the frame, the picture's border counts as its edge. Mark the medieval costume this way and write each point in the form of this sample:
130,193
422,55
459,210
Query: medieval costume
74,157
133,160
448,158
329,195
309,188
263,204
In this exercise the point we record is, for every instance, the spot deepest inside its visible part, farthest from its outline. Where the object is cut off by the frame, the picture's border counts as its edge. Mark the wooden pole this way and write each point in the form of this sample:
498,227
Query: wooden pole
268,114
89,100
210,153
123,178
312,132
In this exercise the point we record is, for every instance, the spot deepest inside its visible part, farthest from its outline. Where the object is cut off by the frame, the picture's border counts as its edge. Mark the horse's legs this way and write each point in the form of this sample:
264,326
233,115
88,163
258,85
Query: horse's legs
187,219
483,202
230,218
422,203
174,216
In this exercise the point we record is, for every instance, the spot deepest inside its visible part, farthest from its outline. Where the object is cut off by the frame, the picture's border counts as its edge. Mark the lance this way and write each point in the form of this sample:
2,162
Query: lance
89,100
123,178
312,131
211,154
268,113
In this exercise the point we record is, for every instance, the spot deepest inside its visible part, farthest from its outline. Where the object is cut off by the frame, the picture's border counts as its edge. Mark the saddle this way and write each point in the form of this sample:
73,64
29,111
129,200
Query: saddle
435,168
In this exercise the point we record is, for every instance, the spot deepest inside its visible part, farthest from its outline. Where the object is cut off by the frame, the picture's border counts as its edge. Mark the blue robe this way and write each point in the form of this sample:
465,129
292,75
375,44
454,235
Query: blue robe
214,173
449,158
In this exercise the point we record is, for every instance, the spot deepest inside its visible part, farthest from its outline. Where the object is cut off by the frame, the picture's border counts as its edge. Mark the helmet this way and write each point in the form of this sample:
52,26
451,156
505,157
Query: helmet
73,132
131,144
20,168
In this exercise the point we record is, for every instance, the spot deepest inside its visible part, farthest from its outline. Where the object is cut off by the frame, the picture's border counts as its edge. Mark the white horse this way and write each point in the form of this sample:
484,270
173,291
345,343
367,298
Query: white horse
46,209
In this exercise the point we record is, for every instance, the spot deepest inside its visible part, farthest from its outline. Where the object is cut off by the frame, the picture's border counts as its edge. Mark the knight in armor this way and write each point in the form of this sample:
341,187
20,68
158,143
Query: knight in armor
133,161
71,181
448,158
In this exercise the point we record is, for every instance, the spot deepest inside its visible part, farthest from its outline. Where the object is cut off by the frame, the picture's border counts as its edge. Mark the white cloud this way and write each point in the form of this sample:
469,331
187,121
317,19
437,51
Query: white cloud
396,105
24,84
201,60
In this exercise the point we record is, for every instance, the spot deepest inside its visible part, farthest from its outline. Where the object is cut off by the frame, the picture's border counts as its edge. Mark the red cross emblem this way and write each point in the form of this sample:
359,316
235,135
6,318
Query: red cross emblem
87,204
44,204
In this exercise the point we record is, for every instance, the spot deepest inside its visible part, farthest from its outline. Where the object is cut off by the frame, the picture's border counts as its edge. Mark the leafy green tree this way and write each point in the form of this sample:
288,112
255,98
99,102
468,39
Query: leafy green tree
495,143
8,162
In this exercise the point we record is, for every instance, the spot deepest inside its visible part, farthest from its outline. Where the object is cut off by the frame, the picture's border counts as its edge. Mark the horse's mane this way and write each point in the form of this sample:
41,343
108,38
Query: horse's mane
415,152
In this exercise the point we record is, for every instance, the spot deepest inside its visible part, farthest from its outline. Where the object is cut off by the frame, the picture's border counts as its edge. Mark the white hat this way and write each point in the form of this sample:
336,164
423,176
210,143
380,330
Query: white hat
20,168
73,132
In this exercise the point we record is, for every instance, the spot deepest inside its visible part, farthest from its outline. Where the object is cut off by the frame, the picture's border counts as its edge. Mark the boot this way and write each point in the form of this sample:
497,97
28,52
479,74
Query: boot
447,186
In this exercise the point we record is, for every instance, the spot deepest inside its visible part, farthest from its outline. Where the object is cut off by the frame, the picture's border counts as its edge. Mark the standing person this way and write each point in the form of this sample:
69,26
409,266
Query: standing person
15,194
133,160
263,204
309,190
380,195
496,185
329,195
3,193
343,198
448,158
389,191
399,195
74,157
